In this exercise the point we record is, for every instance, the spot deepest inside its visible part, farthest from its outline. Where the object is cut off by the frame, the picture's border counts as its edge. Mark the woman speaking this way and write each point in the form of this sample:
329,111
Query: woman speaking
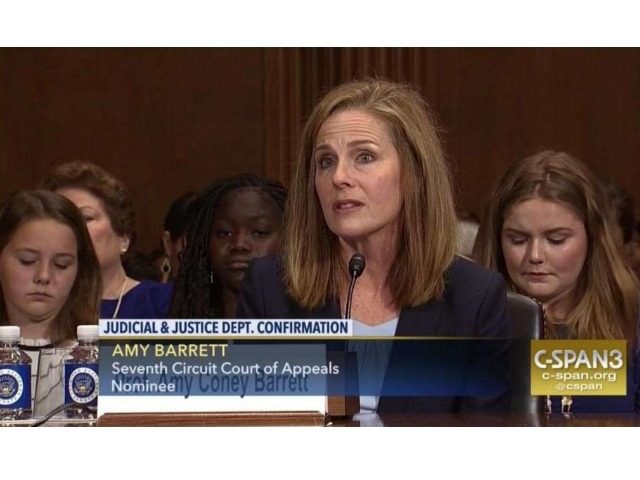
371,178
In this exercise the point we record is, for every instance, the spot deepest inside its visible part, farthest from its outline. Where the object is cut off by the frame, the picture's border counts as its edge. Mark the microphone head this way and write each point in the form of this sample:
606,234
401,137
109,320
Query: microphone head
356,265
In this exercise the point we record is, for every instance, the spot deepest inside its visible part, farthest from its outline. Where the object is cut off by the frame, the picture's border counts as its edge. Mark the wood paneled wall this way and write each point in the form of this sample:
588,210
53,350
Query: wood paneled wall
171,120
493,105
165,121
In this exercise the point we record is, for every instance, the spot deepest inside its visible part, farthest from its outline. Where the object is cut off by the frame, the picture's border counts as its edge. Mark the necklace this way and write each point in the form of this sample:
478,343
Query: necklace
115,312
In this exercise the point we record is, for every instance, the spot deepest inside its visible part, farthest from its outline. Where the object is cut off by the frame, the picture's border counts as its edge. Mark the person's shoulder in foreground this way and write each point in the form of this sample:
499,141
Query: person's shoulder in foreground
263,293
478,295
474,297
157,296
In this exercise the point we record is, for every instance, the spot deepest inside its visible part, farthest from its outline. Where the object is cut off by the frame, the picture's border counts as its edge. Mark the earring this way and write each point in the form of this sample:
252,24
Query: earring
211,277
165,266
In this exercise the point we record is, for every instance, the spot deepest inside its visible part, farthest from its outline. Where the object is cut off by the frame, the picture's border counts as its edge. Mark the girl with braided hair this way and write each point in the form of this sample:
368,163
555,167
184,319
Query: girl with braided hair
237,219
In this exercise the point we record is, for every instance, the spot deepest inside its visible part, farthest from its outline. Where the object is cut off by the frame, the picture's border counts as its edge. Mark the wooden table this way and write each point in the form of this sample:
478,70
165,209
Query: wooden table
386,420
496,420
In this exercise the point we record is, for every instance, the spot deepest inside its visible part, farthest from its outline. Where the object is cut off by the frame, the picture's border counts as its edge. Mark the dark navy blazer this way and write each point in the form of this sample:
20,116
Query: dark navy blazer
473,305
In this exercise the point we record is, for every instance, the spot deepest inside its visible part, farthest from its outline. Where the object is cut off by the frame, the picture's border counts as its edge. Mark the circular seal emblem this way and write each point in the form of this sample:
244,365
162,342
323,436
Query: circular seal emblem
83,385
11,386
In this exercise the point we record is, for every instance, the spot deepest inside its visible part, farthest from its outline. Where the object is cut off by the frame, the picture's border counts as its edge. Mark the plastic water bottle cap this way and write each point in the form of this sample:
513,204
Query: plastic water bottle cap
87,332
10,332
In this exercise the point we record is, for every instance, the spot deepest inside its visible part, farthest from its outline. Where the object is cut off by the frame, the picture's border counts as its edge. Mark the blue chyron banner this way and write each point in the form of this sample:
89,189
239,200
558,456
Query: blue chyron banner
185,367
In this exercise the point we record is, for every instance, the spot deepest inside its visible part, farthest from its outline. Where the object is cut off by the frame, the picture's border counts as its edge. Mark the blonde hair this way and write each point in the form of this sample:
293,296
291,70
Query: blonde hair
312,261
607,305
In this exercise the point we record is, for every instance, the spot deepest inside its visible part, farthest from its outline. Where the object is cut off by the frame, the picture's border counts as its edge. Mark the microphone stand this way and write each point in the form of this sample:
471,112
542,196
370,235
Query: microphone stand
347,404
356,267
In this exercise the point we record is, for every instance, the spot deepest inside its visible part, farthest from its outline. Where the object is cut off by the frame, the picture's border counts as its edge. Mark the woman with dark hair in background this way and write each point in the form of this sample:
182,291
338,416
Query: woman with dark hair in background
237,219
550,232
106,205
175,225
162,264
623,211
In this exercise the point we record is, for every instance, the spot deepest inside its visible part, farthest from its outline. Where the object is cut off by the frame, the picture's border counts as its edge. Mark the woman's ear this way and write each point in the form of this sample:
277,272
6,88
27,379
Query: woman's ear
166,243
125,244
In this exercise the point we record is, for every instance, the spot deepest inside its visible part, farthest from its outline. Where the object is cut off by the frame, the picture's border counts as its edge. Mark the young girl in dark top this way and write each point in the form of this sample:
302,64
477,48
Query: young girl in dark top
238,219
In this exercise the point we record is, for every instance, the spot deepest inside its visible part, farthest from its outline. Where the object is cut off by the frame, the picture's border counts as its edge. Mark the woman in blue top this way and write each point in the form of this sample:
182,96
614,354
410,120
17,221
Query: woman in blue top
106,205
550,232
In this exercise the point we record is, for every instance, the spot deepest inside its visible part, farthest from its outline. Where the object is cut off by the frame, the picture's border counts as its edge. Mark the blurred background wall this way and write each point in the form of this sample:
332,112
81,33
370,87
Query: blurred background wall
171,120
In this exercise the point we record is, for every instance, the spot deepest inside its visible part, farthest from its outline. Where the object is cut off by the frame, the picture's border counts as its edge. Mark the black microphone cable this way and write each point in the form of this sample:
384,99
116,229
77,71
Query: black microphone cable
356,267
57,410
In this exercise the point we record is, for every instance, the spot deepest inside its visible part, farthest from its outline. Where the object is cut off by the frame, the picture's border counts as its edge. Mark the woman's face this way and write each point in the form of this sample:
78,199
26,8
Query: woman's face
38,268
545,246
109,245
358,176
245,225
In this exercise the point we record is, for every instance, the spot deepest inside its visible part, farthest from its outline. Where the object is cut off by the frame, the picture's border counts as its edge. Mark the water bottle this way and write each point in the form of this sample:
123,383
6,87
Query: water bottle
15,376
81,384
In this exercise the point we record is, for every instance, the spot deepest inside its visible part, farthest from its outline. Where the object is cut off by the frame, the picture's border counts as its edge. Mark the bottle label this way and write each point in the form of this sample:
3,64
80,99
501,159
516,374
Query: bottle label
81,383
15,386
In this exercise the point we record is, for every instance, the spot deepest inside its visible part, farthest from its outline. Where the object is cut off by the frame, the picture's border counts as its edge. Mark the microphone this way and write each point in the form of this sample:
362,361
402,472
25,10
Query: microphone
356,267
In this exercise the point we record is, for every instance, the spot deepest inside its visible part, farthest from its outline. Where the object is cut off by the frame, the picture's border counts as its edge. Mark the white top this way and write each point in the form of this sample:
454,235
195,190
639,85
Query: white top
47,375
35,357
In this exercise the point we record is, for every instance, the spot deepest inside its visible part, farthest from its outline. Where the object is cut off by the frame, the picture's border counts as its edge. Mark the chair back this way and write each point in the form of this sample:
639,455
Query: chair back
527,323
